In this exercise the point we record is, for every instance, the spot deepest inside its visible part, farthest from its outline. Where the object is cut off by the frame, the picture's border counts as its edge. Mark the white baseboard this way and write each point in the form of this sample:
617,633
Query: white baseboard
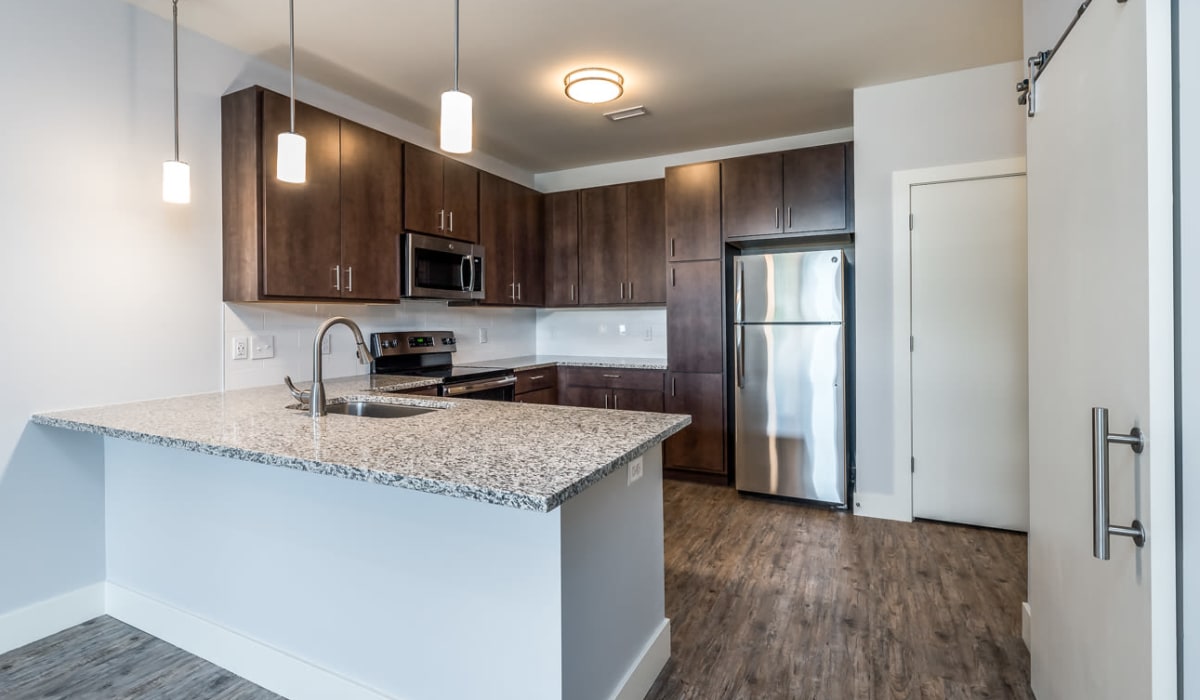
40,620
884,506
645,671
1026,624
273,669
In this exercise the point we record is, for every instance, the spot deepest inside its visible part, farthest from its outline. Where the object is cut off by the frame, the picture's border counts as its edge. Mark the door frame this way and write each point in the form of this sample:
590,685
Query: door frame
900,505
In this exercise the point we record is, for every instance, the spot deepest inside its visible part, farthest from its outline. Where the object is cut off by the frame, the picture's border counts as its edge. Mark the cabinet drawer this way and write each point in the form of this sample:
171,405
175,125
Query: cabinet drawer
648,379
536,379
542,396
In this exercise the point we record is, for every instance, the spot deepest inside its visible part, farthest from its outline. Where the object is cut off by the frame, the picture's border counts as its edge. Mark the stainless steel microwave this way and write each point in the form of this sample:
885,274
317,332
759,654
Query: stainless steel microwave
440,268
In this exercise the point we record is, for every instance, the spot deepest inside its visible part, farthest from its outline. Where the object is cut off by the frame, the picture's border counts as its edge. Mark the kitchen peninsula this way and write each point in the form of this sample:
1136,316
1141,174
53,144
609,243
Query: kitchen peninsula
481,549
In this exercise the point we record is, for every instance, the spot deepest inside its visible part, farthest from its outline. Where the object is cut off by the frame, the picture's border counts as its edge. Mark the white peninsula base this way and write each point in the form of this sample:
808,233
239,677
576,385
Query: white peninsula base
321,587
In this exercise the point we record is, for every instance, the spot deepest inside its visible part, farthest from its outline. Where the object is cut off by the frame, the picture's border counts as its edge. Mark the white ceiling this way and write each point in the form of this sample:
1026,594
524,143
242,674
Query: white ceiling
711,72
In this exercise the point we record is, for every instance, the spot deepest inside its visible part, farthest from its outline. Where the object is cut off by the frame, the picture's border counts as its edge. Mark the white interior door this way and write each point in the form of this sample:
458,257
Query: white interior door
970,406
1101,335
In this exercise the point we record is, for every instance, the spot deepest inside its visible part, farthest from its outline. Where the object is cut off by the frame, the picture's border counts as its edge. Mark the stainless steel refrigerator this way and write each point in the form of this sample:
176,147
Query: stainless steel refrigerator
789,336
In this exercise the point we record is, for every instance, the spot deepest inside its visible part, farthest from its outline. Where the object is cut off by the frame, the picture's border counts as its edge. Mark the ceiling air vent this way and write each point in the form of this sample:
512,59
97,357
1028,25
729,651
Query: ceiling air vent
628,113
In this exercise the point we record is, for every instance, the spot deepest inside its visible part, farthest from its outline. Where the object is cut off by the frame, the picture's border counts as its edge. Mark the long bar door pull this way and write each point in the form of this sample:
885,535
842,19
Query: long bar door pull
1102,530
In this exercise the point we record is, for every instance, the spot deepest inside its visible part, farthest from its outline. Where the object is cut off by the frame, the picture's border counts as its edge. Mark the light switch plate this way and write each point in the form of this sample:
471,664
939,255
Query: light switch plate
483,336
636,468
240,348
622,330
262,347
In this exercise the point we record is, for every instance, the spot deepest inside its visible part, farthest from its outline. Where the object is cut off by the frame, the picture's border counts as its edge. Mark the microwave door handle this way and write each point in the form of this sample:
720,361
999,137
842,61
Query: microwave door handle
471,267
462,275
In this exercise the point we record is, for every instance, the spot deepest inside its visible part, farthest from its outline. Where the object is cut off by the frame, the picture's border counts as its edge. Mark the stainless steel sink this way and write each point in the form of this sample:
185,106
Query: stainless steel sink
376,409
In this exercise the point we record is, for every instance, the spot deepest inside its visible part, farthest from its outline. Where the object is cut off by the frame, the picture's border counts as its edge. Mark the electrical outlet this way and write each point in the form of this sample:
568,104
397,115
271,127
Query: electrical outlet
622,330
262,347
648,335
326,344
636,468
240,349
483,336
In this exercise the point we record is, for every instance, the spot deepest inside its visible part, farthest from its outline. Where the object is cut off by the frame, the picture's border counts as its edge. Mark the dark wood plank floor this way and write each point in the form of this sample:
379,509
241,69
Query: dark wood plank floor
767,600
774,600
104,659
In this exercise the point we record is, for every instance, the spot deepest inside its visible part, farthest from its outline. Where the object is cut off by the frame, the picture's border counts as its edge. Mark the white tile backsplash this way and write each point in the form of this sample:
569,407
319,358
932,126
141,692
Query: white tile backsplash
599,332
510,332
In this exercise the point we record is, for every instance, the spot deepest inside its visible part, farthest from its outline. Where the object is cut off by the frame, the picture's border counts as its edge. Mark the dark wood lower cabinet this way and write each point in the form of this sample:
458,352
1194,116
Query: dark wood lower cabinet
585,396
542,396
701,446
637,400
622,389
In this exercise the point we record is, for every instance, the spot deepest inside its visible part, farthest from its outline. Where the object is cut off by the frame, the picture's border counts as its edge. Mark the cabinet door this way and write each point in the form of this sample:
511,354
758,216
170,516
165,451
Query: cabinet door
371,192
422,190
585,397
529,251
701,445
561,224
752,195
301,246
644,240
694,318
541,396
461,201
815,189
637,400
495,214
602,245
693,212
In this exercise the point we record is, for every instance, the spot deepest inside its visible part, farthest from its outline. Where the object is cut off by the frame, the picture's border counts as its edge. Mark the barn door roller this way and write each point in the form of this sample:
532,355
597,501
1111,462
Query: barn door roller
1036,64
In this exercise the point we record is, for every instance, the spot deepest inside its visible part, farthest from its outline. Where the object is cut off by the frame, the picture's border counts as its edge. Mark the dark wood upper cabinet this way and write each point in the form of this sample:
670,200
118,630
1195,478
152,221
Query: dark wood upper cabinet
693,212
816,190
371,174
602,245
334,236
695,323
621,253
560,224
752,195
441,196
645,254
802,192
700,447
511,234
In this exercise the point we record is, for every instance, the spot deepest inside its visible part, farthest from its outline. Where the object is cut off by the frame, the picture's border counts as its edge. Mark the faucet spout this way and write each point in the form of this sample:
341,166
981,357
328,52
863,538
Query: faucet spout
316,395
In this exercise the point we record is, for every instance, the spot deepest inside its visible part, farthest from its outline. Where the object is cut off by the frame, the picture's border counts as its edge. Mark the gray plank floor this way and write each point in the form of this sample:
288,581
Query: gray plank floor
103,659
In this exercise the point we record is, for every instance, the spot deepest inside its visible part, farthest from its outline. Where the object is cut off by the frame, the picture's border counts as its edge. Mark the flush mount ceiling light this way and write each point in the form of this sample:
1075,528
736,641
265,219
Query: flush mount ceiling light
456,109
290,163
594,85
177,176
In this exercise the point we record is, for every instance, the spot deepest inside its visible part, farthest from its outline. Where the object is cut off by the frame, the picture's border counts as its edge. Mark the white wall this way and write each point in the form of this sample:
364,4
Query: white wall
961,117
1045,21
112,295
510,333
655,167
599,332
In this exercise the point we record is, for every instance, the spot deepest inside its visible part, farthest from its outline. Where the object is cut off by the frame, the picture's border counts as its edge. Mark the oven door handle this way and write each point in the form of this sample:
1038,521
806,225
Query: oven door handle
482,385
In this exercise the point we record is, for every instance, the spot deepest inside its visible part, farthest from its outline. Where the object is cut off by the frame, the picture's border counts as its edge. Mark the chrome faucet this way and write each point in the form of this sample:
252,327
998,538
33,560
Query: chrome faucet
316,395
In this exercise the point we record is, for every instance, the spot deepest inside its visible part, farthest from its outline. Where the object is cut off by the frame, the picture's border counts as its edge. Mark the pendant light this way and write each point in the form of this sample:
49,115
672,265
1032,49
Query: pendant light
456,109
290,163
177,176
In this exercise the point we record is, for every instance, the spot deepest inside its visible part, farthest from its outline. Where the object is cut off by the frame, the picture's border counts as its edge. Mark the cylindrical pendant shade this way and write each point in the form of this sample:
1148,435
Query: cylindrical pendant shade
456,122
177,182
290,164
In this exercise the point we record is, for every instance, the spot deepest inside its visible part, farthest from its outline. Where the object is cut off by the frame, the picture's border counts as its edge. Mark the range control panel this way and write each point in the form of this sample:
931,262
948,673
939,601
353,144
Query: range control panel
414,343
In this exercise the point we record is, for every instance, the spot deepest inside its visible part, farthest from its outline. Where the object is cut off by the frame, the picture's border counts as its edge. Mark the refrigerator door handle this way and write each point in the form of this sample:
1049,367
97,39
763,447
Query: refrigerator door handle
740,356
739,292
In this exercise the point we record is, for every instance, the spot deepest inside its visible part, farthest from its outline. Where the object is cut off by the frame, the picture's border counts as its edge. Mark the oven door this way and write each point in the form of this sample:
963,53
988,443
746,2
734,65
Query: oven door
494,389
439,268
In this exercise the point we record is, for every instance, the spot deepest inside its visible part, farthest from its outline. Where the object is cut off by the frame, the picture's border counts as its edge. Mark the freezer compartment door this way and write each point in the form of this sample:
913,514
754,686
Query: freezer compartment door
789,287
790,411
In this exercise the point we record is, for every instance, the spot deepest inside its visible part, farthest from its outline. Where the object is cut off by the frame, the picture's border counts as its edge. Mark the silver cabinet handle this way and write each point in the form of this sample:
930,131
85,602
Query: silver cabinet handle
672,386
616,400
740,357
789,218
452,221
612,376
349,279
337,278
776,217
441,219
672,247
518,291
512,291
631,291
606,399
622,290
672,277
1102,531
572,292
536,377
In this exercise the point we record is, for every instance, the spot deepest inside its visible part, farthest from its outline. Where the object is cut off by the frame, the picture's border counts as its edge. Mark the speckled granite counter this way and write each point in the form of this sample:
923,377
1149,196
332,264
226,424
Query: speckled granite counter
522,456
536,361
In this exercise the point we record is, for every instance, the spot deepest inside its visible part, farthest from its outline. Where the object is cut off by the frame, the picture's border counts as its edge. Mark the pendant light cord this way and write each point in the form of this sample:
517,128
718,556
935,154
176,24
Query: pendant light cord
456,45
292,59
175,40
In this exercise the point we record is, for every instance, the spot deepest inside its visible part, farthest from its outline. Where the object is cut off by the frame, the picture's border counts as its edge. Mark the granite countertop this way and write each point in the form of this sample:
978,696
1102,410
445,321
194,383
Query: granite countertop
525,456
537,361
